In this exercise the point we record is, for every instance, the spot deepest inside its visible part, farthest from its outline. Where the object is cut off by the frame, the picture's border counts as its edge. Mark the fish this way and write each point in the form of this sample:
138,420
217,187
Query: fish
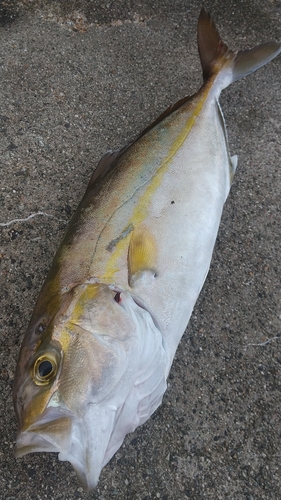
97,352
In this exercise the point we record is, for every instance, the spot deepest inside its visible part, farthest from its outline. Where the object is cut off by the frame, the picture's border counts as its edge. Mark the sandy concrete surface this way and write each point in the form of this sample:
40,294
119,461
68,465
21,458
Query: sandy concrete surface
78,78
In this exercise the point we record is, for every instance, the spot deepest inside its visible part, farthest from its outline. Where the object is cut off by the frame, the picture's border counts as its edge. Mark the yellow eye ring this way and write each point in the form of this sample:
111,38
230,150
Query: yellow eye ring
44,369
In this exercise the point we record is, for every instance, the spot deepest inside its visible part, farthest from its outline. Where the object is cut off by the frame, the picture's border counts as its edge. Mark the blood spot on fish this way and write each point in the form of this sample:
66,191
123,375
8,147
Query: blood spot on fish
117,297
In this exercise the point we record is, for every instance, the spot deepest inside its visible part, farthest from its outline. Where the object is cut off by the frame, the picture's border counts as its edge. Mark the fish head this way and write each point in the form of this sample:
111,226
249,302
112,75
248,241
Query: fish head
71,383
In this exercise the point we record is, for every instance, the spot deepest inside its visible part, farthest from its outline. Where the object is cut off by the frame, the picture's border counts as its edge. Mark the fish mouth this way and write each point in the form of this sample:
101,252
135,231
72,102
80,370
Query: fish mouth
31,443
50,433
66,434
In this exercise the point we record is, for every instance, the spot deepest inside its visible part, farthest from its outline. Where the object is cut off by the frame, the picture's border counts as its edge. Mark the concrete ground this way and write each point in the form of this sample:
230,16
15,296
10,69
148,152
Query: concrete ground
78,78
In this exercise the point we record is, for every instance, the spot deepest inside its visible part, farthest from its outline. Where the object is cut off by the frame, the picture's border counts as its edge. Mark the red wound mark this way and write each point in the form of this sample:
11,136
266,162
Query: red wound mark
117,297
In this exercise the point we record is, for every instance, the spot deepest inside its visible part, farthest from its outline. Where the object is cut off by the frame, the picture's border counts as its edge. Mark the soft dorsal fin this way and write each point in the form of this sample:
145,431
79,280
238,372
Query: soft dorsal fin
142,254
108,160
103,166
164,115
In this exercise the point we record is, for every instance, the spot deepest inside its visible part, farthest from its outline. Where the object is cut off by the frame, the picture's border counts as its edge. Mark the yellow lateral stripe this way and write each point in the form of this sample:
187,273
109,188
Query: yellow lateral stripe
141,210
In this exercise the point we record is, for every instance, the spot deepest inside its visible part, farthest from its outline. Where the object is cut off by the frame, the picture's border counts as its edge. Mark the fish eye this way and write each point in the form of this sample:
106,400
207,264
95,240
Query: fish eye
45,369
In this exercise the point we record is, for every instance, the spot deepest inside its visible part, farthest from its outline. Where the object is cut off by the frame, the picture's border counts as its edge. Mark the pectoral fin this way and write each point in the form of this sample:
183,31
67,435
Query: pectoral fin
142,254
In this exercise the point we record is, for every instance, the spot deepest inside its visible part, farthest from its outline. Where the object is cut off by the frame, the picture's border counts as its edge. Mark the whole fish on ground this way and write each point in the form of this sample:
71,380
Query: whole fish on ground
97,353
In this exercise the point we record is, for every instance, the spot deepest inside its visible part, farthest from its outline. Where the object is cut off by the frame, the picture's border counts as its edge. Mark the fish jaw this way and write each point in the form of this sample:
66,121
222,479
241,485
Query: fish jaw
61,432
90,442
49,433
87,452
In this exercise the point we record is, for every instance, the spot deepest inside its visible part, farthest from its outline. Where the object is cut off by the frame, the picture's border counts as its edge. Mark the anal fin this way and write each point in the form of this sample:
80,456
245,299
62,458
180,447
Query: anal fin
233,166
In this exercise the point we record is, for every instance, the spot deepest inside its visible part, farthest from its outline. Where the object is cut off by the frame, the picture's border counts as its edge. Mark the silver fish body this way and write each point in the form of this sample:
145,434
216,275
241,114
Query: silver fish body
99,347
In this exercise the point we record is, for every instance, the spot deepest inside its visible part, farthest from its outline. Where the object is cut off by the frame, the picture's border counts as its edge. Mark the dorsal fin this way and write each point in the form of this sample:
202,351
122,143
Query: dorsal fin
164,115
103,166
109,159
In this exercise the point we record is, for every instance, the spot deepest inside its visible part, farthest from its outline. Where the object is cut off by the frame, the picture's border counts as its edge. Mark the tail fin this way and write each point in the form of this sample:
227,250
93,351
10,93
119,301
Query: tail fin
215,55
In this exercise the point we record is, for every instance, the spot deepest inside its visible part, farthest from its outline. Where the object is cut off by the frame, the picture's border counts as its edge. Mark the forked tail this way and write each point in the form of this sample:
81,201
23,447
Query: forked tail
218,60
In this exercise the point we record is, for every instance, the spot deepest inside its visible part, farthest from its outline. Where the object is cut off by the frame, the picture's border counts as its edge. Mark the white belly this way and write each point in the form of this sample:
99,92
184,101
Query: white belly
184,218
